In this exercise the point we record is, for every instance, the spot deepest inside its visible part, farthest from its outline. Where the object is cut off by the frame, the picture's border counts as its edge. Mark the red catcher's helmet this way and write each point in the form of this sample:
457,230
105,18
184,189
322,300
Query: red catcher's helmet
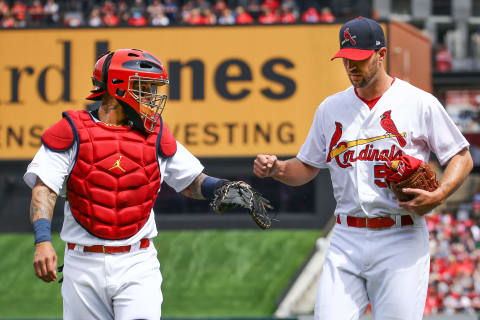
137,79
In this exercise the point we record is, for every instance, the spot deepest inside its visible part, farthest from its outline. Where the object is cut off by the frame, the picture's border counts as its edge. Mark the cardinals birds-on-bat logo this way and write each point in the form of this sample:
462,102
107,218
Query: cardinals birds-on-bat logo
349,37
335,137
388,125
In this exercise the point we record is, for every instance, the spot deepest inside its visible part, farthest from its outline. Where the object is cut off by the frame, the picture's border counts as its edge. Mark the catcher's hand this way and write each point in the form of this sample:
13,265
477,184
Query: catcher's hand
412,173
240,194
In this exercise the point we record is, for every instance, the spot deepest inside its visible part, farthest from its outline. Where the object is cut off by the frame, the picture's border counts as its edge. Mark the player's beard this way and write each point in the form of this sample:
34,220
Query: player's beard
366,78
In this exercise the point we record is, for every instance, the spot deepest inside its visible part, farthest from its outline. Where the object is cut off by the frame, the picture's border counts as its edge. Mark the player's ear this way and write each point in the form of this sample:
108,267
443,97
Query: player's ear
382,54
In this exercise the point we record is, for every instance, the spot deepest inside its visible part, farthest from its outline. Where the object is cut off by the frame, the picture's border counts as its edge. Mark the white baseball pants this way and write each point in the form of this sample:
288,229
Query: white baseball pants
388,267
120,286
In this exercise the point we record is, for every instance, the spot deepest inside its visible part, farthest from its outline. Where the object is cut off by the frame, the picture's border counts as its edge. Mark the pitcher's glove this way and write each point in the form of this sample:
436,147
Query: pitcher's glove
235,194
409,172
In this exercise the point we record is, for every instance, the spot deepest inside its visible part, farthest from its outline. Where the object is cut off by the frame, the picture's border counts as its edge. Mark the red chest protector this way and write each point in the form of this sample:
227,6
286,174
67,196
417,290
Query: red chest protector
115,180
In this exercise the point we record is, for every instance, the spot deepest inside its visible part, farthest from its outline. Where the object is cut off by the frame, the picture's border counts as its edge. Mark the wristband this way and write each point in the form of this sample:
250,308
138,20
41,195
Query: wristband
41,230
209,185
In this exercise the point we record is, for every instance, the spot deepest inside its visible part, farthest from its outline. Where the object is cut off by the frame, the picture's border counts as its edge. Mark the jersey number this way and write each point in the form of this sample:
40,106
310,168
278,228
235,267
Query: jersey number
380,174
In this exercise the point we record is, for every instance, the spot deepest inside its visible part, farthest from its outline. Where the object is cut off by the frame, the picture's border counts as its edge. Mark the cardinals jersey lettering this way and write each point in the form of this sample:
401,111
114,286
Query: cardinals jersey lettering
353,142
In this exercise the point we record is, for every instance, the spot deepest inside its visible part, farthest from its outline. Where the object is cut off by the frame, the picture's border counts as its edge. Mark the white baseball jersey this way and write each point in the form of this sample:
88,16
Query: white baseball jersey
350,140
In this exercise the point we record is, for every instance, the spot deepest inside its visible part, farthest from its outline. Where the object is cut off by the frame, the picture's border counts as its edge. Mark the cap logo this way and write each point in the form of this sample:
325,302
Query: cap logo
377,43
349,37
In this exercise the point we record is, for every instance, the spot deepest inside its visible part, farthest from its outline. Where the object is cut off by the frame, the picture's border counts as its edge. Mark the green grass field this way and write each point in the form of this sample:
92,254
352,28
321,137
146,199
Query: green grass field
205,273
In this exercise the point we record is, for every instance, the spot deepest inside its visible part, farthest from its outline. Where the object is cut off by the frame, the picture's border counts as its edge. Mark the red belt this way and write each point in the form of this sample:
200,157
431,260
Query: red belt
375,223
144,243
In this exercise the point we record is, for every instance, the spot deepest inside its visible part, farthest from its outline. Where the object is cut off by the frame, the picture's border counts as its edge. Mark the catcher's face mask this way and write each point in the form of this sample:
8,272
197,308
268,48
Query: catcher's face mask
150,94
136,79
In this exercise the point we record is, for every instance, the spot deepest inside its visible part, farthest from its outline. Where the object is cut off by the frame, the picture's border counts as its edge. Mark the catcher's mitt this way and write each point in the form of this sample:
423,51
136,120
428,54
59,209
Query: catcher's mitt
234,194
409,172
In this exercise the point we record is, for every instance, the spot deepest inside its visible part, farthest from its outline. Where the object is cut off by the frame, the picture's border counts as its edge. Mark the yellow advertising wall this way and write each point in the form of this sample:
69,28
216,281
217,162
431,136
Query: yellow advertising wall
261,84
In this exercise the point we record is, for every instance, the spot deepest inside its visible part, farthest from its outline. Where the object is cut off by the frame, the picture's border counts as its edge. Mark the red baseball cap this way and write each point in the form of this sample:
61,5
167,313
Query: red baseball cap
359,38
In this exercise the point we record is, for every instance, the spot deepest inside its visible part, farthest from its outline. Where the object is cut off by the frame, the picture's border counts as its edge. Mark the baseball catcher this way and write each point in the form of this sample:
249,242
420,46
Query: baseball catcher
409,172
110,164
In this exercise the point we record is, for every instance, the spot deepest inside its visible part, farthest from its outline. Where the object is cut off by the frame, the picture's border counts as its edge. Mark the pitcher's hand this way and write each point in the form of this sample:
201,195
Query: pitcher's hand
423,202
265,165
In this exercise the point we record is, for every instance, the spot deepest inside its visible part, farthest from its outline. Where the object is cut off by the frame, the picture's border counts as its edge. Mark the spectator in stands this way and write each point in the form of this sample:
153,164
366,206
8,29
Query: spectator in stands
75,11
123,13
454,282
137,19
35,11
70,14
160,19
108,7
19,10
226,17
120,12
269,16
243,17
292,6
171,10
110,19
186,12
451,303
326,15
8,21
219,7
443,59
95,20
50,11
154,8
273,5
195,17
209,17
311,15
4,9
476,280
476,205
432,305
138,7
475,230
73,19
287,16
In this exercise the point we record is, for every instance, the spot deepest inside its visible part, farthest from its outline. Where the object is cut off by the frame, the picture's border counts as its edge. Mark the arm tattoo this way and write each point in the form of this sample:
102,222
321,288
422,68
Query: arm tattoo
43,201
194,189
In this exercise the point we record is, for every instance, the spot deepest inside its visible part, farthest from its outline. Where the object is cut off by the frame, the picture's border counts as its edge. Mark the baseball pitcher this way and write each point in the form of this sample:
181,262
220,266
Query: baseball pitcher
373,136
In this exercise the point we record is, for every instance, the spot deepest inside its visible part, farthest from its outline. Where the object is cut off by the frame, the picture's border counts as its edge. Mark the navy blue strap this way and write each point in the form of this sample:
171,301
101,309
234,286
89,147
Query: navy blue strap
209,185
42,229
